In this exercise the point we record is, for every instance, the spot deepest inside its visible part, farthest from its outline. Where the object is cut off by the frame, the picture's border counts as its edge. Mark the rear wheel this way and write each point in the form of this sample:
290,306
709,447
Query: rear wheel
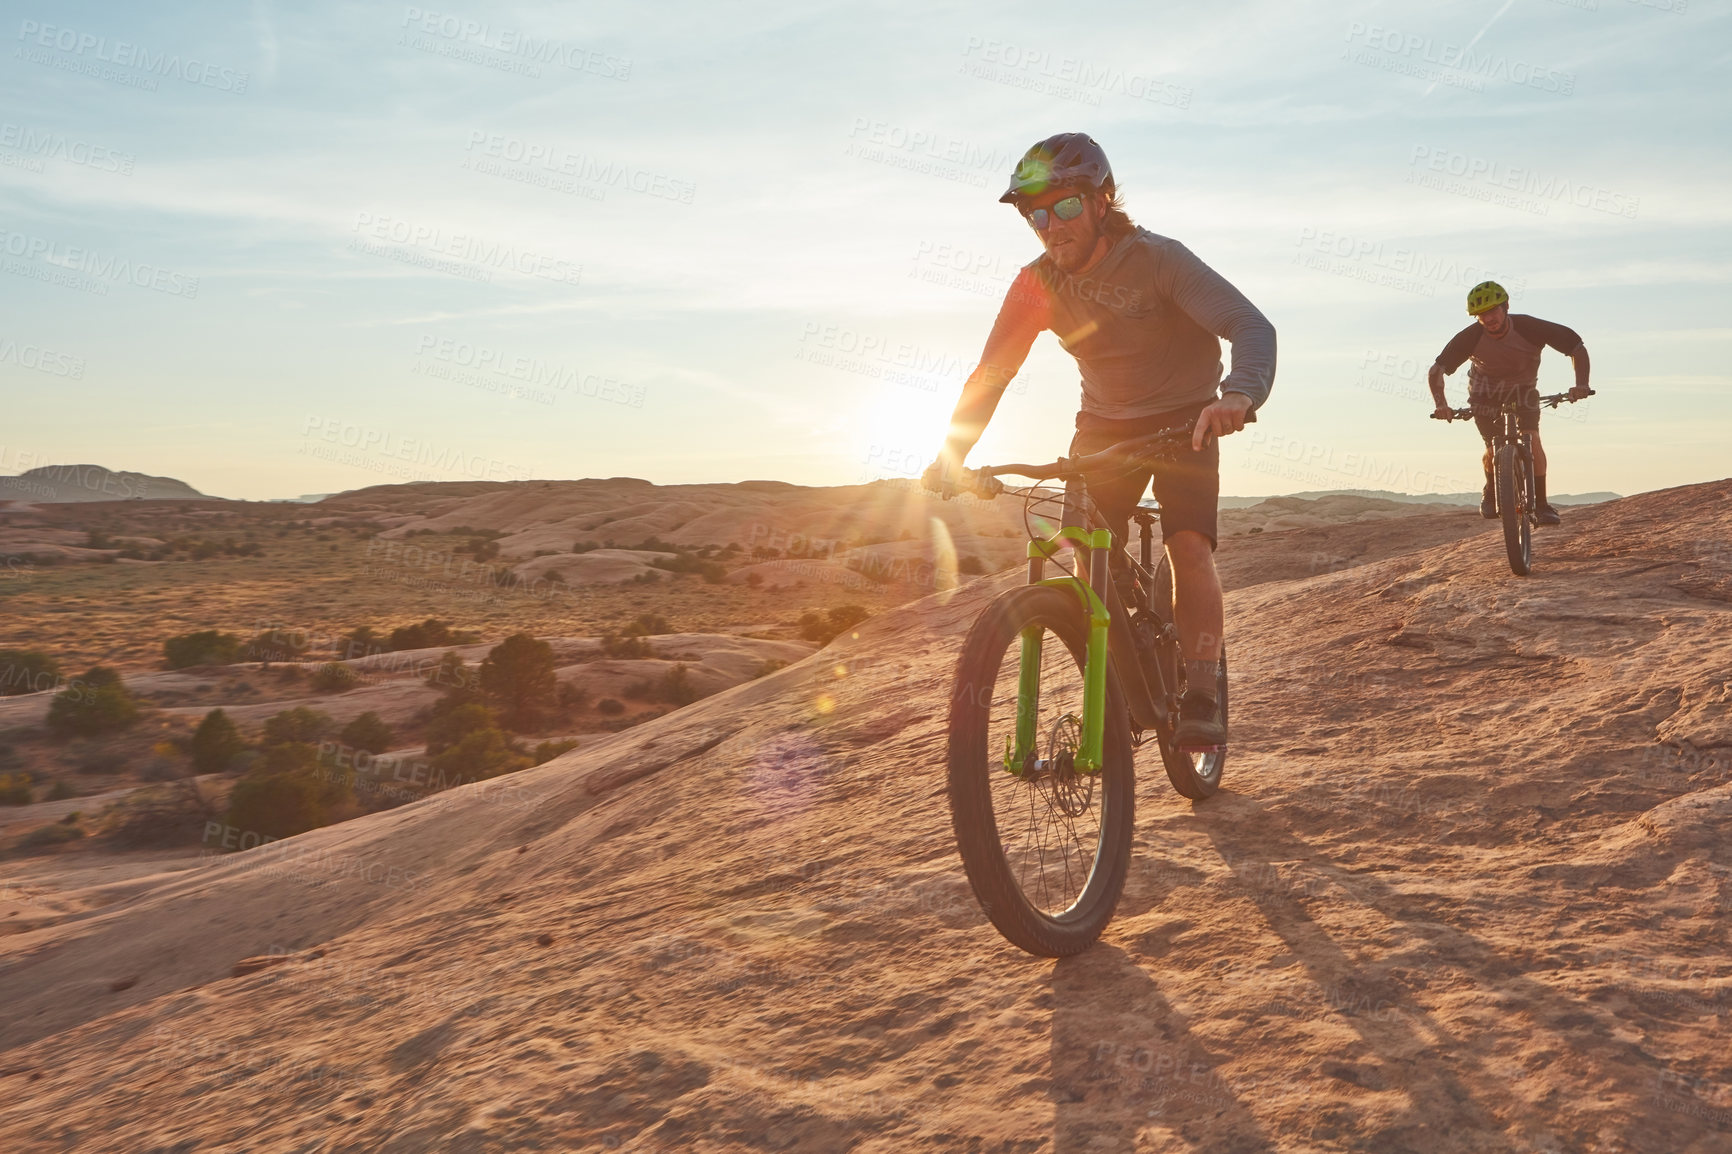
1194,775
1046,846
1514,500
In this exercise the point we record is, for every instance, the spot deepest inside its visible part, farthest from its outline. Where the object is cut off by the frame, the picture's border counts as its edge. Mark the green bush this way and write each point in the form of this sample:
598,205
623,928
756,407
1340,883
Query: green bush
15,789
452,673
825,627
430,634
572,698
482,753
548,750
452,726
61,791
27,671
518,673
334,677
675,687
286,793
215,743
95,703
274,645
630,645
648,625
206,647
44,837
610,707
368,732
299,725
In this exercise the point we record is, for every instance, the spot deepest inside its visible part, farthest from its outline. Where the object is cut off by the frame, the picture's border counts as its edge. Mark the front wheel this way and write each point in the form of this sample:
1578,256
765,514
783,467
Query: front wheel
1513,503
1046,845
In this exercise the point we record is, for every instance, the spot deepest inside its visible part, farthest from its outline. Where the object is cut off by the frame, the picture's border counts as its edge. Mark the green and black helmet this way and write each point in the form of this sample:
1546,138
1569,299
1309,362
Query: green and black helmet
1484,297
1068,158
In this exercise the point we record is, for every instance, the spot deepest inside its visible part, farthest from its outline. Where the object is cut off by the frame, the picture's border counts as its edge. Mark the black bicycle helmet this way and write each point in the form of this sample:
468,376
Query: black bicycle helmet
1068,158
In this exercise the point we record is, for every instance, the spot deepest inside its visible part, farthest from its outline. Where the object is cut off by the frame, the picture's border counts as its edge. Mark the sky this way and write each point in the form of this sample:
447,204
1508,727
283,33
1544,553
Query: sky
288,249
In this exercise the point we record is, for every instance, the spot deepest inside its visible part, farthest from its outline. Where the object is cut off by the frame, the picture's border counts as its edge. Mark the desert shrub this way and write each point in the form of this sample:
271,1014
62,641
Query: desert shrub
27,671
572,698
548,750
451,726
334,677
103,761
518,674
971,565
824,627
648,625
754,579
630,645
299,726
96,703
675,687
361,641
274,645
285,793
430,634
61,790
368,732
639,690
48,836
482,753
206,647
215,743
768,666
451,672
711,571
610,707
15,789
481,549
585,546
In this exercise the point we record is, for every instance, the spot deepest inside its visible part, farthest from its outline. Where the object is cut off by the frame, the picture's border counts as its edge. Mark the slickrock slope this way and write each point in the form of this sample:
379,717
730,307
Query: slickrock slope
1468,889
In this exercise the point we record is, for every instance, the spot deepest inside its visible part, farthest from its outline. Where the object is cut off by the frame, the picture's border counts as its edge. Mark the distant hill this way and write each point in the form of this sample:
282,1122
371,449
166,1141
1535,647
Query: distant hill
62,484
1417,498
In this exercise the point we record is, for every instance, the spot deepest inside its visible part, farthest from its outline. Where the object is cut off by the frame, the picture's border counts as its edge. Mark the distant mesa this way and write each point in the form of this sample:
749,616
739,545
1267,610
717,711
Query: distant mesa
63,484
1414,498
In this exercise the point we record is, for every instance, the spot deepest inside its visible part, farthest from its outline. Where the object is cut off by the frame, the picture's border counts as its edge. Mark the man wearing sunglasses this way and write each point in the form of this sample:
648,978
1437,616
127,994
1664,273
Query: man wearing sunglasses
1144,318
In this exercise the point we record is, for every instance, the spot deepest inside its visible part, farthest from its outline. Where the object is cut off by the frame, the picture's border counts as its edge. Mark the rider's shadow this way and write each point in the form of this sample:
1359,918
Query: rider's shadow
1125,1066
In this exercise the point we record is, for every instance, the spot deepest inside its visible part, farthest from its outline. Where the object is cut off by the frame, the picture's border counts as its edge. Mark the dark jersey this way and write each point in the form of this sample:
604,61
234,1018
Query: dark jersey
1506,364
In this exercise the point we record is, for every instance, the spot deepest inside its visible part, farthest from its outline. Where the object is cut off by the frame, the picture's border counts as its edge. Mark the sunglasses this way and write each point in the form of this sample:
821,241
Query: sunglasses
1067,209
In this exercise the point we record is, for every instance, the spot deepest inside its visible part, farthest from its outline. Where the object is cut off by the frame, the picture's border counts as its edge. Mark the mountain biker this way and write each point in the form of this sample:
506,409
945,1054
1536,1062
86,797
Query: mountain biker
1506,363
1141,314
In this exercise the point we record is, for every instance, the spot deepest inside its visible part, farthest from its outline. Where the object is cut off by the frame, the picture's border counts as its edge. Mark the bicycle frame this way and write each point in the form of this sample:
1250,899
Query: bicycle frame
1107,618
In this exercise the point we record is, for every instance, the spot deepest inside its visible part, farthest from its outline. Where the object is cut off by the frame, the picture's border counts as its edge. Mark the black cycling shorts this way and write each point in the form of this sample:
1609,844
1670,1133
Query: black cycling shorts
1187,488
1490,420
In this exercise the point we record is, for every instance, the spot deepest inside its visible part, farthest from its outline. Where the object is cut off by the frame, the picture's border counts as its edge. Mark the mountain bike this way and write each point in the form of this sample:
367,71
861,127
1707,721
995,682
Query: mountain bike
1058,684
1513,475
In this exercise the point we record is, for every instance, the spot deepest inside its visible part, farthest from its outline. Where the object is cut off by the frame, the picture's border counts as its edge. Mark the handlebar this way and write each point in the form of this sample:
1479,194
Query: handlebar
1551,401
1161,445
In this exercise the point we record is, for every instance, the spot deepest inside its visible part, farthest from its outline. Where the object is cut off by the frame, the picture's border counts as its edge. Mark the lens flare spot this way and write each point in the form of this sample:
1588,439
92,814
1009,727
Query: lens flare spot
943,558
825,703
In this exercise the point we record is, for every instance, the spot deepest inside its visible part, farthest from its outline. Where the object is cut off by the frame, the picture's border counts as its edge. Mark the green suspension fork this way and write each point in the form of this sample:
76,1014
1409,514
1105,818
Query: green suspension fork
1089,756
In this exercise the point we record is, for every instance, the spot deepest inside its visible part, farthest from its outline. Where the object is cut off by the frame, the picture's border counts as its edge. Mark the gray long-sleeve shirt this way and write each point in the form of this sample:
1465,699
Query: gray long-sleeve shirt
1145,326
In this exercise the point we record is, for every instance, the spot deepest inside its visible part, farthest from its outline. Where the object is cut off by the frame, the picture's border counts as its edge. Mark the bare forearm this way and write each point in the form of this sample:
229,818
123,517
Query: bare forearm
1435,378
979,400
1580,361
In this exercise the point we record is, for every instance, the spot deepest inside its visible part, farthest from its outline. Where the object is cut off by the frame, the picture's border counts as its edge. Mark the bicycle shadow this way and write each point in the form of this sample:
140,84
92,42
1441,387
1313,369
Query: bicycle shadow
1124,1062
1448,1083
